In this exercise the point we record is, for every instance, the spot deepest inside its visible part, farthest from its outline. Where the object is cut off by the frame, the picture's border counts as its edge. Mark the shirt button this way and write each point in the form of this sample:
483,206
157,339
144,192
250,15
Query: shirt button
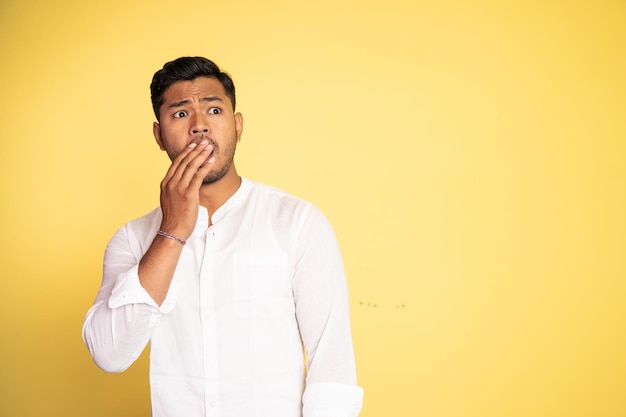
212,403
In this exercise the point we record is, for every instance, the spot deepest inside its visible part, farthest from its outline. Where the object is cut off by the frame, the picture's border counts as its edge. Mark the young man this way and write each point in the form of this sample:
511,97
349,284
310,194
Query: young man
230,281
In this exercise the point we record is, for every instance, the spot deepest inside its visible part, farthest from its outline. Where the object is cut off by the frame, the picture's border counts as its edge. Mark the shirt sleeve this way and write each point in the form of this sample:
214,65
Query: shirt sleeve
330,400
119,325
323,314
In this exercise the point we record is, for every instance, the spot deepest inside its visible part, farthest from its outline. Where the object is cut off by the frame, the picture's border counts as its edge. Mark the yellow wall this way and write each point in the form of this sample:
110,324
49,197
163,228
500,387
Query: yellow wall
470,154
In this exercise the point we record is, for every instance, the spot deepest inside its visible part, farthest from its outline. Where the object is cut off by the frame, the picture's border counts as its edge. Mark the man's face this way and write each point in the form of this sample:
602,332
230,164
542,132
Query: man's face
196,110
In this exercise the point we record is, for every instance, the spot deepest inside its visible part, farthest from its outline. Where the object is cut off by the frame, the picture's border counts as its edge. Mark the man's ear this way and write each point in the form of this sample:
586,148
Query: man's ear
238,125
156,131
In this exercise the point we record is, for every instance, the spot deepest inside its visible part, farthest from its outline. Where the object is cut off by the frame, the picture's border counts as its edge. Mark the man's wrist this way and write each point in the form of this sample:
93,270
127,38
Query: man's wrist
172,237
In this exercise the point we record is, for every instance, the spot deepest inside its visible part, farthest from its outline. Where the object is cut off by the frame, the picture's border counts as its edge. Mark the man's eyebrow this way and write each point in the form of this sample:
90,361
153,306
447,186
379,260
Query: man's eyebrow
212,98
185,102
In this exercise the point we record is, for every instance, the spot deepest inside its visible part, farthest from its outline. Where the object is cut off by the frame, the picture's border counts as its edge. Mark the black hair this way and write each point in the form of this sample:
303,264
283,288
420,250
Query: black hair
187,69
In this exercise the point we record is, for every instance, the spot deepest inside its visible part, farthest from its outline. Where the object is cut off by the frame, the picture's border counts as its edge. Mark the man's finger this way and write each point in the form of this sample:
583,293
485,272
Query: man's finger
193,163
184,158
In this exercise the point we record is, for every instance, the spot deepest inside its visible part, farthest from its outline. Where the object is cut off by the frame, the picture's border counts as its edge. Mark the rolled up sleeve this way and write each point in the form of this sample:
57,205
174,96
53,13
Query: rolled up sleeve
119,325
332,400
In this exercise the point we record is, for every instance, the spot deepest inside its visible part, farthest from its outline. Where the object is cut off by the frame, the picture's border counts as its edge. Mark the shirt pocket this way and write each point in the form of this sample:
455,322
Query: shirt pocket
261,285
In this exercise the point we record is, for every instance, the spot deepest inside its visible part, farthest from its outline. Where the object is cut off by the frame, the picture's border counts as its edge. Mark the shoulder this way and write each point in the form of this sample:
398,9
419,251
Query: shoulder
268,195
149,220
283,205
143,226
270,191
135,236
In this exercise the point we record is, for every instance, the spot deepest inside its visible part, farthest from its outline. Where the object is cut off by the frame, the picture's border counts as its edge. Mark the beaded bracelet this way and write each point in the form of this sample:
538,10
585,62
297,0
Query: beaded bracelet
167,235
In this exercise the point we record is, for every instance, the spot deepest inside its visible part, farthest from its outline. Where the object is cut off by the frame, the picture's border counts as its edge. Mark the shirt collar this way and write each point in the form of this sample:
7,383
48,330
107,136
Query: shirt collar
234,200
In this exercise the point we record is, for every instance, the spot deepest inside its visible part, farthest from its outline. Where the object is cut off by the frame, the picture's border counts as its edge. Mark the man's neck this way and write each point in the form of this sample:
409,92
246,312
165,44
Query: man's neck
213,196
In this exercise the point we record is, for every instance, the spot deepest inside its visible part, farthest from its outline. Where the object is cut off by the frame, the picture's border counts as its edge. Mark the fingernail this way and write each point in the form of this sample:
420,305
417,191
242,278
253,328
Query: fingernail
204,142
192,145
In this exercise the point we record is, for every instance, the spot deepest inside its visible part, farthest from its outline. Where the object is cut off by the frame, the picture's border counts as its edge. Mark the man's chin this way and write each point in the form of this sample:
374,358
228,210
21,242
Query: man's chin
213,177
209,179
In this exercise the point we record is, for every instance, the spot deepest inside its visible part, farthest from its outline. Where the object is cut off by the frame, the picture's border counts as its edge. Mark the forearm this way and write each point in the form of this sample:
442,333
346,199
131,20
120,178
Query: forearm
157,267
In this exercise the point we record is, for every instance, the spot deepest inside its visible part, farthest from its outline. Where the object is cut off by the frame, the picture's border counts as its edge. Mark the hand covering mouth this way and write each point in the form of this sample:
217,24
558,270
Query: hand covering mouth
199,138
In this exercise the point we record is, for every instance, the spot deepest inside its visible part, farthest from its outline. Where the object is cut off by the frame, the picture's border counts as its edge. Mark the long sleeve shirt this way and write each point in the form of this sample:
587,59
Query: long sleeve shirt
253,295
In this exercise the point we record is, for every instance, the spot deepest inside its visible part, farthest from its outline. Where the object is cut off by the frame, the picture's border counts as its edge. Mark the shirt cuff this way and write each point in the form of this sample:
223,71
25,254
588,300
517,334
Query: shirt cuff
326,399
128,290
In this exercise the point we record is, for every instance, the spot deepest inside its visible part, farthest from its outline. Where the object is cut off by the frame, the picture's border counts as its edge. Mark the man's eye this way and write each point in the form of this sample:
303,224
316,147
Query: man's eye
215,110
180,113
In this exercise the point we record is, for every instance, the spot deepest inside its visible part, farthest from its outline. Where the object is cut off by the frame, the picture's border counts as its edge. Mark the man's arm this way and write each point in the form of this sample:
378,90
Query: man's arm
180,199
323,313
129,303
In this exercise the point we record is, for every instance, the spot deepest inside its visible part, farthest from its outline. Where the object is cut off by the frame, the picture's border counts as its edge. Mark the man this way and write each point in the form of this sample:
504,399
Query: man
232,282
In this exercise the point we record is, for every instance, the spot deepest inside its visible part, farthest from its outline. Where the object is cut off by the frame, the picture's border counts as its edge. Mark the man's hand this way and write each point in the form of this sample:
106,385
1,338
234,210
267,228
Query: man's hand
180,199
180,189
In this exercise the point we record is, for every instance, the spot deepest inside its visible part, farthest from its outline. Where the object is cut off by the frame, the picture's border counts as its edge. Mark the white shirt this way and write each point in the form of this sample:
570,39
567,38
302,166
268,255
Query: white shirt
251,293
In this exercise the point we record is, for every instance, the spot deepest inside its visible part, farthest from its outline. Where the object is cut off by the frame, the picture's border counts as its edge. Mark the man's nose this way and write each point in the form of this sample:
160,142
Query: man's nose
199,125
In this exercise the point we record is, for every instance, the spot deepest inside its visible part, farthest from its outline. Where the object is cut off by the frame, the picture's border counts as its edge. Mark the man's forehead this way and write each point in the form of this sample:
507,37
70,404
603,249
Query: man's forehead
200,86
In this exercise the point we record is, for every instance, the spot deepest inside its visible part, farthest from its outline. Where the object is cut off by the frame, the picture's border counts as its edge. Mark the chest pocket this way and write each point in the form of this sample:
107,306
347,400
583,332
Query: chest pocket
261,285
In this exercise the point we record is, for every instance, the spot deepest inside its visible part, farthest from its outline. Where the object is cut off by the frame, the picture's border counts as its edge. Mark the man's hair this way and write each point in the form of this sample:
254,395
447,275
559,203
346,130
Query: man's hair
187,69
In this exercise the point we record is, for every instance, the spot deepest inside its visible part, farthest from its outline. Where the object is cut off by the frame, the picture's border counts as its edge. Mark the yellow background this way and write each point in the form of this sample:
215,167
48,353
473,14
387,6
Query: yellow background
470,155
